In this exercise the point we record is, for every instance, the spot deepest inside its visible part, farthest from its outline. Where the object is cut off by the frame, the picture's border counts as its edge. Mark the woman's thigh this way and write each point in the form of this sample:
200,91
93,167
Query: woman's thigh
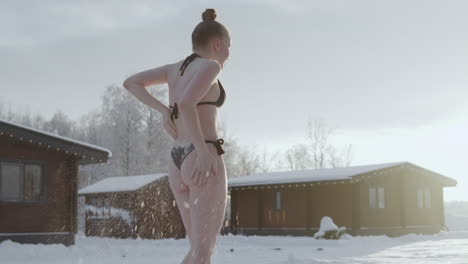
207,201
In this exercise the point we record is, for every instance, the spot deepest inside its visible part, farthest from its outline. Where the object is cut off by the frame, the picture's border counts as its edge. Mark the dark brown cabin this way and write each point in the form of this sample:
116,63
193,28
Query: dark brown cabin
382,199
140,206
38,184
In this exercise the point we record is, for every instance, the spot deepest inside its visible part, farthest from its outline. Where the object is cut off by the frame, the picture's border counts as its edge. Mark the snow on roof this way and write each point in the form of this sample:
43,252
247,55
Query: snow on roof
324,174
59,137
121,183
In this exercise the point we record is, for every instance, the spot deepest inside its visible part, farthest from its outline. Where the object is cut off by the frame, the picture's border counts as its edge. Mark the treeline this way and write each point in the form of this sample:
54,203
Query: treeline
140,145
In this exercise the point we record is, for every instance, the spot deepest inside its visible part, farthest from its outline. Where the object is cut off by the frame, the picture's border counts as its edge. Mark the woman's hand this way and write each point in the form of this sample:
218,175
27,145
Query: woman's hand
205,166
168,124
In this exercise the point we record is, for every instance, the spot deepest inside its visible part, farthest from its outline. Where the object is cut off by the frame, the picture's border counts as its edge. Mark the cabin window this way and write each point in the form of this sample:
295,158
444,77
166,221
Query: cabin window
277,200
372,198
21,182
381,197
32,182
423,196
376,197
11,181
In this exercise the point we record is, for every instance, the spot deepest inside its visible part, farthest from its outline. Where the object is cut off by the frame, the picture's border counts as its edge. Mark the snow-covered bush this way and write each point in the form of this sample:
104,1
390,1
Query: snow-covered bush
107,212
328,229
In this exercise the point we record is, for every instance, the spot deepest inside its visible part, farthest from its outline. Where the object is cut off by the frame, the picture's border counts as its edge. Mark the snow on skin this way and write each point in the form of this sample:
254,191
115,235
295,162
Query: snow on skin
445,247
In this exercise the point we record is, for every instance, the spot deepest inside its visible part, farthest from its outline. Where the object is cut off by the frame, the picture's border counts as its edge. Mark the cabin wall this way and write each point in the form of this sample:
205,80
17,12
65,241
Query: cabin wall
401,214
433,216
52,220
332,200
301,207
292,213
110,226
157,213
246,214
389,216
152,209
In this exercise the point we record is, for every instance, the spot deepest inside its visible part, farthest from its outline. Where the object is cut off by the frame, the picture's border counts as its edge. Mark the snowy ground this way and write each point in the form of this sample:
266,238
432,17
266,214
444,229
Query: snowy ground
445,247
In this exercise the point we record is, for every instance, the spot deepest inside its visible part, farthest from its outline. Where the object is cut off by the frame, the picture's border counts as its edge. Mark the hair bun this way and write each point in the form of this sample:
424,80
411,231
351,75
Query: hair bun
209,14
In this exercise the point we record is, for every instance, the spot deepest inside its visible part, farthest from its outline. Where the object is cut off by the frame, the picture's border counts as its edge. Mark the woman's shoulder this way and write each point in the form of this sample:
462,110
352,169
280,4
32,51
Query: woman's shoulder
199,64
211,64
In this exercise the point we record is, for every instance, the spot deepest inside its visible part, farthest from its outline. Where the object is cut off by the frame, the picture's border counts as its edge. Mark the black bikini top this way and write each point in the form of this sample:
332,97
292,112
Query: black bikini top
218,103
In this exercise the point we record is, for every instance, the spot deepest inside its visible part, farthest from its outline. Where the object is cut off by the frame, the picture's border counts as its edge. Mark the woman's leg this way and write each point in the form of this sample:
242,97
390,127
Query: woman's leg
207,206
181,195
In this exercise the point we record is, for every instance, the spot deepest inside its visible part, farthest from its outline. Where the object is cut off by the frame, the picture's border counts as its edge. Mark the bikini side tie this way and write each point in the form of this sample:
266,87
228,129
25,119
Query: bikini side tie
175,111
217,144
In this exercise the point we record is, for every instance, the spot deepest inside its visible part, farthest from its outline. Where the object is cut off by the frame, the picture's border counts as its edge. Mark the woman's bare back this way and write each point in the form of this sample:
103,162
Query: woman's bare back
207,114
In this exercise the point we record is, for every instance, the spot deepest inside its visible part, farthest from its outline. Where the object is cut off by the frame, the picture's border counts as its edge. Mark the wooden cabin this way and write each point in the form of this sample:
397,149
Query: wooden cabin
141,206
38,183
381,199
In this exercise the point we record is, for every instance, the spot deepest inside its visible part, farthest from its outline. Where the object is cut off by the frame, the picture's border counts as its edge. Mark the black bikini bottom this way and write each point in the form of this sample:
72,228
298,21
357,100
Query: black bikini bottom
180,150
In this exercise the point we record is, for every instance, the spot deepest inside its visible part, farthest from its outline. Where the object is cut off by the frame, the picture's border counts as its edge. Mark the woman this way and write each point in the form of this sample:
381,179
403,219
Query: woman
197,175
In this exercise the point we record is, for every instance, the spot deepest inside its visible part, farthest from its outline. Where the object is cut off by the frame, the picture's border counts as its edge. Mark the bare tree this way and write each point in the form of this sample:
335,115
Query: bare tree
232,150
269,161
316,152
89,124
318,134
323,153
38,121
244,160
298,157
123,119
2,110
157,140
60,124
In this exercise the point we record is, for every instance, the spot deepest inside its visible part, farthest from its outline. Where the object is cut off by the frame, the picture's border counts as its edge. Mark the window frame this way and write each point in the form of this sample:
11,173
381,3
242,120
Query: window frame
378,197
376,188
427,202
44,180
372,199
275,201
425,191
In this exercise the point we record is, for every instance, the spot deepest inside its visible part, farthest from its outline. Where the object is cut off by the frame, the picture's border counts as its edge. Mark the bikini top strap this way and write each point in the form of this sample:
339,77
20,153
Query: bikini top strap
187,62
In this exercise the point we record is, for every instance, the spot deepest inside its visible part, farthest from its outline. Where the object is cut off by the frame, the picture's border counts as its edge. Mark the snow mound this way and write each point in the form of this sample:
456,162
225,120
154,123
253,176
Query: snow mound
328,229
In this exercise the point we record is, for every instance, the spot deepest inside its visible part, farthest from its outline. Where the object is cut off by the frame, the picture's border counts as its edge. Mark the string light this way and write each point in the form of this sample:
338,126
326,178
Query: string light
364,178
20,138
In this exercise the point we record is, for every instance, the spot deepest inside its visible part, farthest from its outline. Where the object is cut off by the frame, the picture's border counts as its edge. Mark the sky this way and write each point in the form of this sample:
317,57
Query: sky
388,76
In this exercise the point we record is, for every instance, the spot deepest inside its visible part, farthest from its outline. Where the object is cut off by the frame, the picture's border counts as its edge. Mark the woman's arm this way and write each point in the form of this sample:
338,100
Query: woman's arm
196,89
137,83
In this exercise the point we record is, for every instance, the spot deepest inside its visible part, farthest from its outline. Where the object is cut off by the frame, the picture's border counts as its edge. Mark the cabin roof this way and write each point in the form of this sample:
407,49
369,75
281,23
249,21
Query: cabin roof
313,175
121,183
85,152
